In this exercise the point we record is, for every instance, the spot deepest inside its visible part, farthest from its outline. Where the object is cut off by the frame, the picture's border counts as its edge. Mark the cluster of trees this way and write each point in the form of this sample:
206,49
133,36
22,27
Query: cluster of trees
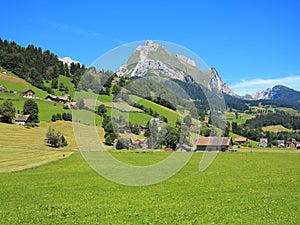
288,121
99,83
257,133
64,116
110,134
55,138
36,66
31,108
162,134
8,111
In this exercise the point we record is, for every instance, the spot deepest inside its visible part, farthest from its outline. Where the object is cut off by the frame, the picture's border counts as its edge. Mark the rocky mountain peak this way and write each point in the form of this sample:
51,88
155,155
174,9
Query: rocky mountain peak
154,59
265,94
217,83
186,59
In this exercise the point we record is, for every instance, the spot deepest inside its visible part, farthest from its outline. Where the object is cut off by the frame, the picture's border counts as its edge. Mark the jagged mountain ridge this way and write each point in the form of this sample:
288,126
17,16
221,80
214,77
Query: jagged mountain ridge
154,59
278,92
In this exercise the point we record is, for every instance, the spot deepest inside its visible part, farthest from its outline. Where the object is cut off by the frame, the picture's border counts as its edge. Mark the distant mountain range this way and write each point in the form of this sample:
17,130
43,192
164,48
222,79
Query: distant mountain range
278,92
154,59
68,60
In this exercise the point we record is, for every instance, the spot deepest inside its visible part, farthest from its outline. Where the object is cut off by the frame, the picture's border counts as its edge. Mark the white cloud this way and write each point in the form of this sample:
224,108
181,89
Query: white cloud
258,84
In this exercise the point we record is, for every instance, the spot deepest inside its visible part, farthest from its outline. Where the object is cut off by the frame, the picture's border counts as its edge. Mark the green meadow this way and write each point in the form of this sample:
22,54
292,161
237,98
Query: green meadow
238,188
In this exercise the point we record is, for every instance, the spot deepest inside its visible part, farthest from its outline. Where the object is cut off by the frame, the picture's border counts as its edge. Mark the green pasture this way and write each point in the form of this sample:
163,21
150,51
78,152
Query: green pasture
238,188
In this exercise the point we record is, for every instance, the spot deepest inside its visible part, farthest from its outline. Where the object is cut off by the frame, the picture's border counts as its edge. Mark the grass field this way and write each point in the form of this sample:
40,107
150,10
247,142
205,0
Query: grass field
241,118
20,158
171,115
19,136
238,188
276,128
66,81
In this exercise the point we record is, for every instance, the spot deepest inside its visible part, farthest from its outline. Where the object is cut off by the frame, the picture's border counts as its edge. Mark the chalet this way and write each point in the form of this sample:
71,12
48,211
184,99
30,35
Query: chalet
168,149
241,140
140,144
124,128
281,143
214,144
28,94
2,89
22,119
292,143
70,105
263,143
184,148
53,98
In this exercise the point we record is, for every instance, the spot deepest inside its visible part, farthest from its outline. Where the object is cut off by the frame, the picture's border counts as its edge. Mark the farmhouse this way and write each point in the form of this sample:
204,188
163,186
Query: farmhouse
184,148
214,144
2,89
28,94
241,140
53,98
22,119
281,143
292,143
263,143
4,72
70,105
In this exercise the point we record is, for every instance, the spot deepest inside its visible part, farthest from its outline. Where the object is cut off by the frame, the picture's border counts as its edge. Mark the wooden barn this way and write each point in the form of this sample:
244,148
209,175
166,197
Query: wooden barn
214,144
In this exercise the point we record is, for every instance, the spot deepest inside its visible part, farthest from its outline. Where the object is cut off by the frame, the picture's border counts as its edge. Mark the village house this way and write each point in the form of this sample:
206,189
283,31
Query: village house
22,119
53,98
4,72
142,129
263,143
28,94
3,89
241,140
139,144
184,148
214,144
292,143
168,149
124,128
70,105
281,143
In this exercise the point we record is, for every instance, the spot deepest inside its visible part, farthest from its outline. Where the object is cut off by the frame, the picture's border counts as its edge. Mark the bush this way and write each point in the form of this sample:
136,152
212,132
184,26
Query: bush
55,138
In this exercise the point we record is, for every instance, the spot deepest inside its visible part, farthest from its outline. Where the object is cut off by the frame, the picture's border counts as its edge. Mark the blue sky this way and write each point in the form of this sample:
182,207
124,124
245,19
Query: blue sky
253,44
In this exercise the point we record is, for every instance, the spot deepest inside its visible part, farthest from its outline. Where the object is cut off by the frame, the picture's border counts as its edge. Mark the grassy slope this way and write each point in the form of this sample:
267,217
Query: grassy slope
20,158
276,128
134,117
241,119
171,115
239,188
67,83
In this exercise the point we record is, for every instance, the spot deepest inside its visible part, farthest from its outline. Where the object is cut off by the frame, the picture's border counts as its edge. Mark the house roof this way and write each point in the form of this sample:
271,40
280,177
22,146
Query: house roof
24,92
71,103
240,139
54,97
22,118
213,141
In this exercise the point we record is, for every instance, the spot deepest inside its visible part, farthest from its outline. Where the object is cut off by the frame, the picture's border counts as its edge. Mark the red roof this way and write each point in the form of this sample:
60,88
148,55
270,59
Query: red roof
241,139
213,141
